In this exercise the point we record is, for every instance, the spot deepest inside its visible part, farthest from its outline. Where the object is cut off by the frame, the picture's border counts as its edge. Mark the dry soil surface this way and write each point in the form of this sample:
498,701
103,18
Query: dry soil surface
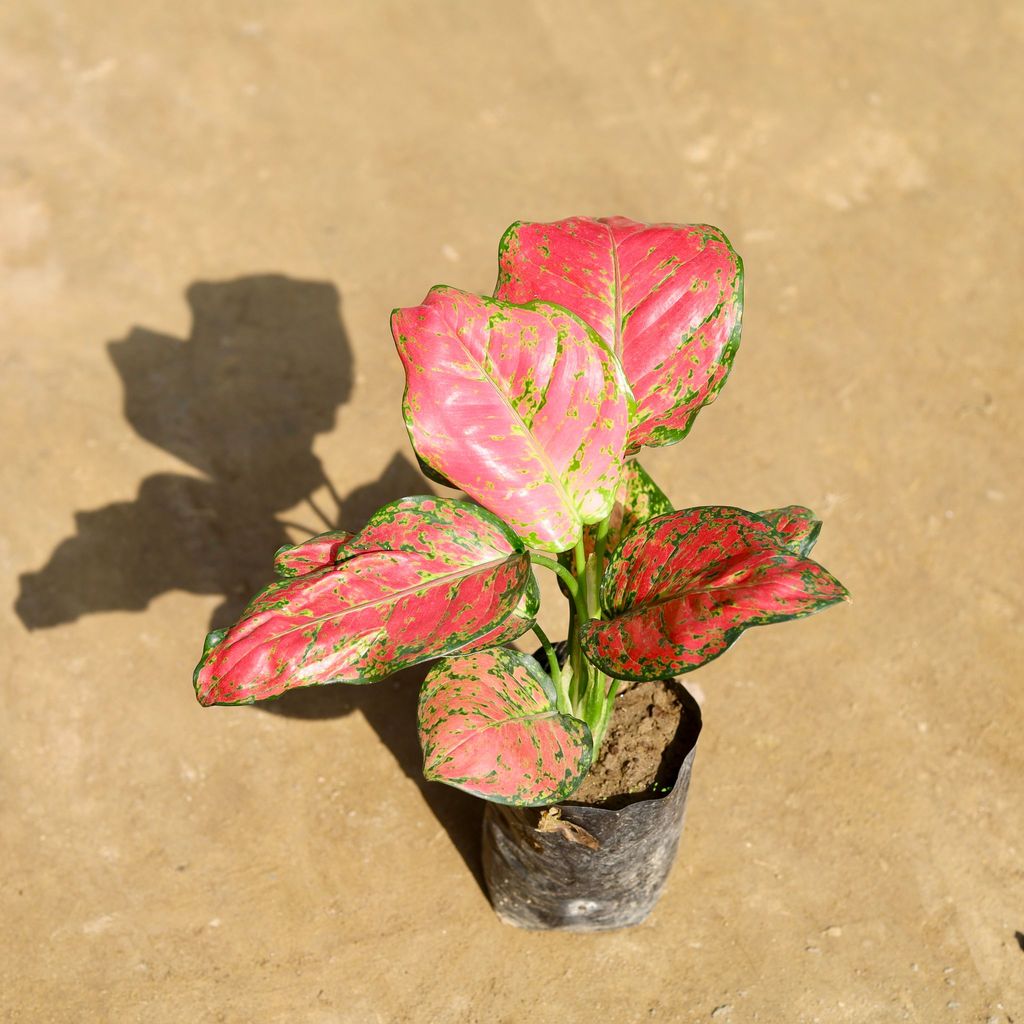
207,212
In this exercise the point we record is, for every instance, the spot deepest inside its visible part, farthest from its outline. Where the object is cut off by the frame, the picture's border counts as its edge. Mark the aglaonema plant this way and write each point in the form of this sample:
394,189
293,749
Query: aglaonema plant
603,336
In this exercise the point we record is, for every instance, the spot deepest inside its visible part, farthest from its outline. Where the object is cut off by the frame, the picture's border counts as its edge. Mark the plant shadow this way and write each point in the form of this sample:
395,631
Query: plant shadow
264,370
390,709
240,401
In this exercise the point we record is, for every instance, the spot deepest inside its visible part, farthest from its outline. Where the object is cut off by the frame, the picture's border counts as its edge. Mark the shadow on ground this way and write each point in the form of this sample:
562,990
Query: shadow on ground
390,708
263,371
265,367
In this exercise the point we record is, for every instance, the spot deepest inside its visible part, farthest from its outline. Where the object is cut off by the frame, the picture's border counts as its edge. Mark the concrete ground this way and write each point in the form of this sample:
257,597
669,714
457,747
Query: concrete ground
207,212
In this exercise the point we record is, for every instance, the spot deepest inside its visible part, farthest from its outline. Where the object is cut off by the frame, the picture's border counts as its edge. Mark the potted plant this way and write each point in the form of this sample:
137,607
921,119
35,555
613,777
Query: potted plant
602,337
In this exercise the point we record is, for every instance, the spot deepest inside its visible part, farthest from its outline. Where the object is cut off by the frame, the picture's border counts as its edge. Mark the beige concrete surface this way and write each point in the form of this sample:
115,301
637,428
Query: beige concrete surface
207,212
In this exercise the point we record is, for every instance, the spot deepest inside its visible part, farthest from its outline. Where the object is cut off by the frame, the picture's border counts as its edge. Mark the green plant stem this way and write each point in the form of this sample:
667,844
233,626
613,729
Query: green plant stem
600,544
606,714
597,702
574,657
580,556
567,578
589,693
592,585
583,670
564,706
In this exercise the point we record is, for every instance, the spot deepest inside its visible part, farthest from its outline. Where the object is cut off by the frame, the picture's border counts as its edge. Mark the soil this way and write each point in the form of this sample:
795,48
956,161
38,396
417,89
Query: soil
647,739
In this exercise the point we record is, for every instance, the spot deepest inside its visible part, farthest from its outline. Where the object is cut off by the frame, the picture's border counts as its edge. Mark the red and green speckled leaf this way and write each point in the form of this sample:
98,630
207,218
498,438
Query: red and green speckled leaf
666,298
522,619
796,525
488,724
423,579
523,407
681,588
315,553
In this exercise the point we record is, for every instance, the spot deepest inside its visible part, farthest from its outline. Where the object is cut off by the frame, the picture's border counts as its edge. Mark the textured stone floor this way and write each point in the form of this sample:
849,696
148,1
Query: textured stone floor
207,212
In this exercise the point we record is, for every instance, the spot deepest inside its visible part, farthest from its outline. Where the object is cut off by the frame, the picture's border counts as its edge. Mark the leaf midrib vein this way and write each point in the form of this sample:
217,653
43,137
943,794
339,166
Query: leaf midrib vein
392,597
542,453
686,593
476,730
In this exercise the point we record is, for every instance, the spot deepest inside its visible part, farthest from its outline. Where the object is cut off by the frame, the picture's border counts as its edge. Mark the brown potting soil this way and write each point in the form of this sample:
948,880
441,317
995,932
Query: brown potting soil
643,748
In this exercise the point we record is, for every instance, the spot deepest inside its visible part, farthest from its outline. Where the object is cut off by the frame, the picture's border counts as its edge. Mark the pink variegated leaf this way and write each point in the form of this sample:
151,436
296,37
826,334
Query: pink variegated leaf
423,579
523,407
797,525
667,299
681,588
489,725
315,553
523,616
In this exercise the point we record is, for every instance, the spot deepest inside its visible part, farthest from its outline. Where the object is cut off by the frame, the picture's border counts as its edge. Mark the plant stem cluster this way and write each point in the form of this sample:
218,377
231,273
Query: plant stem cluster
583,690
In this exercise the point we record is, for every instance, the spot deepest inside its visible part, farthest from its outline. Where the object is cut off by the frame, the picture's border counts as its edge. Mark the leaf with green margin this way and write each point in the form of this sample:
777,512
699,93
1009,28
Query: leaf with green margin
666,298
332,547
323,549
519,622
432,474
523,407
797,525
488,724
681,588
423,579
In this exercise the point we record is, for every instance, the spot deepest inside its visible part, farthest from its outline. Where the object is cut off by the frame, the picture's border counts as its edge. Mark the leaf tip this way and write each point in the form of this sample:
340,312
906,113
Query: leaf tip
204,690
